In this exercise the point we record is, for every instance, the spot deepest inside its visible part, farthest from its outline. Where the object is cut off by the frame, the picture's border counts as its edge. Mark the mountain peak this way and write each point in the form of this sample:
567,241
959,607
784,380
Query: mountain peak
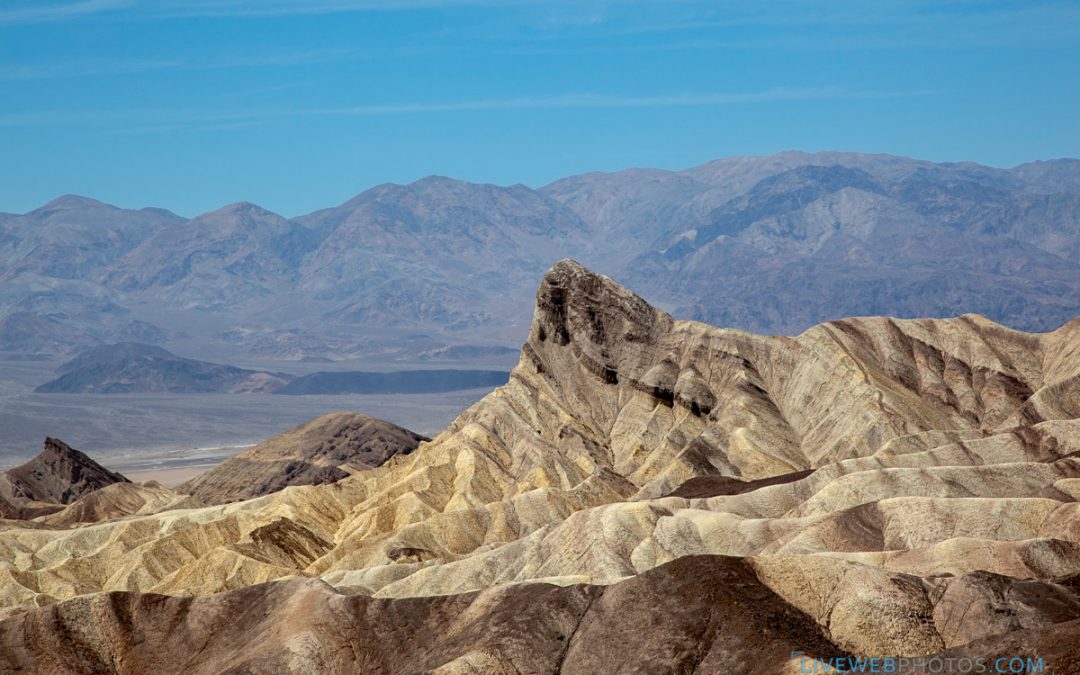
439,181
576,305
241,207
71,202
56,449
60,474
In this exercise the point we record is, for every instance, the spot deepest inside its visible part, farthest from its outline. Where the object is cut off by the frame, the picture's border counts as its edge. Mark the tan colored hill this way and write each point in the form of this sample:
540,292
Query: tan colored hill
910,486
119,500
323,450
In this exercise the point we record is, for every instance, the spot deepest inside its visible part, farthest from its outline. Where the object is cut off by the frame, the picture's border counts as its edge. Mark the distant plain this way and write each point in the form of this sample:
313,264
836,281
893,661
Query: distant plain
157,432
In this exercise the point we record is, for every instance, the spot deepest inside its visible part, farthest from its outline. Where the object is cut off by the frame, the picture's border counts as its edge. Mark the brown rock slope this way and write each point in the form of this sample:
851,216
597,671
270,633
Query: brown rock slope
323,450
57,476
889,479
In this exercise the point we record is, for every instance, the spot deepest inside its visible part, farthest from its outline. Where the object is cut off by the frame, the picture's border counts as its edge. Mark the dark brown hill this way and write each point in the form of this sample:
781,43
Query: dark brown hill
323,450
59,475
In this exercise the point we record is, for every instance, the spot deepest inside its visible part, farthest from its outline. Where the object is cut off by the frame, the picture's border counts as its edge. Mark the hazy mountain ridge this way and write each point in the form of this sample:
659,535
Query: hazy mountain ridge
829,235
773,244
223,259
129,367
73,237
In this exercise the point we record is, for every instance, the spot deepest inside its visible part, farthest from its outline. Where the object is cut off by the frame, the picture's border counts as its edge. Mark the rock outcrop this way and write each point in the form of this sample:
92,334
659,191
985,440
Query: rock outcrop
58,476
909,486
323,450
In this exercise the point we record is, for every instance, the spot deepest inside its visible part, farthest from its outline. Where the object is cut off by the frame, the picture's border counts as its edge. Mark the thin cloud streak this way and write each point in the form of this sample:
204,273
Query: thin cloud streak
162,121
50,71
247,9
38,13
135,66
835,27
572,101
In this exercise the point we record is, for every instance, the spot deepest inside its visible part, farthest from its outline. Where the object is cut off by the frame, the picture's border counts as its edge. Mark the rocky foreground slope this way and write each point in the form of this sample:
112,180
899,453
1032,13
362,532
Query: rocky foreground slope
892,487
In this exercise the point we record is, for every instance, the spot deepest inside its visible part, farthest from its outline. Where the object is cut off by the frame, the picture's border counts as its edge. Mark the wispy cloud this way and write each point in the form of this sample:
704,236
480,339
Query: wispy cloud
41,12
84,68
170,121
36,12
269,8
87,68
783,24
793,24
570,101
184,127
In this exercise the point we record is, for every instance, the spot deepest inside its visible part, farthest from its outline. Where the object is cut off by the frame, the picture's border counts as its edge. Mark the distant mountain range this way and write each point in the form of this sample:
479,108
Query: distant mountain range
132,368
772,244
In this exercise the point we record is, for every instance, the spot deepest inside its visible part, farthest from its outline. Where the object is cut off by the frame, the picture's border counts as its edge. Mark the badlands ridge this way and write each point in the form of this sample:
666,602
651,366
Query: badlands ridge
644,494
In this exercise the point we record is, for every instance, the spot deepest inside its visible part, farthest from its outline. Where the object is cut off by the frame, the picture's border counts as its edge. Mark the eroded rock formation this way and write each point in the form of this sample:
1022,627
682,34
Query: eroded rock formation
907,486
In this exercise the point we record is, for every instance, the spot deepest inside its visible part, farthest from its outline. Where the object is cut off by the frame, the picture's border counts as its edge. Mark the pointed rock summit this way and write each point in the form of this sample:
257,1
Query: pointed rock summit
59,475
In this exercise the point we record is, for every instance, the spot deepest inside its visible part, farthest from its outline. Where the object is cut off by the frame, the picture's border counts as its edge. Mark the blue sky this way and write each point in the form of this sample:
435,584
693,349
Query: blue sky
192,104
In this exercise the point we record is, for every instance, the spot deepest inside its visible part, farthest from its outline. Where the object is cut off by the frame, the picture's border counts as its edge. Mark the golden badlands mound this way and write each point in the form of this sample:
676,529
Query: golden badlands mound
644,494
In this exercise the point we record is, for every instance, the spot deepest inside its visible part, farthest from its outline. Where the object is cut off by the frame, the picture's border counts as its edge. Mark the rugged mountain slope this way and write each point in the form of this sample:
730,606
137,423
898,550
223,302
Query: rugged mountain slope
1051,176
118,501
323,450
50,260
74,237
59,475
790,240
233,257
409,254
904,476
129,367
